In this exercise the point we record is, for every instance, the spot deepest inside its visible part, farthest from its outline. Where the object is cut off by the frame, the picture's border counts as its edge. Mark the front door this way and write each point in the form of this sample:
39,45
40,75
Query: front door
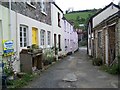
34,35
55,44
111,52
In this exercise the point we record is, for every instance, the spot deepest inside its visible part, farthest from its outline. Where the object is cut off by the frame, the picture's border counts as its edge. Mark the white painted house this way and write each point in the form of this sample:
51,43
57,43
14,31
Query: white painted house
24,31
57,31
34,24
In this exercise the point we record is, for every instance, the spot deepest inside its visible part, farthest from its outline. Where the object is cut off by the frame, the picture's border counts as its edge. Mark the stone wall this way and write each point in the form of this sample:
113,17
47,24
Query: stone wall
35,13
118,36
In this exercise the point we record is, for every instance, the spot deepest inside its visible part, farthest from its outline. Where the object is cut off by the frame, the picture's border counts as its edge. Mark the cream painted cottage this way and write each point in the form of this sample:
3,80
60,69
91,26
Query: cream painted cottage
25,23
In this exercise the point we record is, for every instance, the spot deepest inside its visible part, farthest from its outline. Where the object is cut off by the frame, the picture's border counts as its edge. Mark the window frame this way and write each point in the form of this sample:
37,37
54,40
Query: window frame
43,7
29,2
59,21
49,38
100,39
24,38
42,37
65,25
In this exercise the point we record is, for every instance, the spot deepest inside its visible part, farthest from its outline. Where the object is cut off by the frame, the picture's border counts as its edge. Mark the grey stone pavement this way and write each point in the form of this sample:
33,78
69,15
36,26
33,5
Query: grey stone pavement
74,71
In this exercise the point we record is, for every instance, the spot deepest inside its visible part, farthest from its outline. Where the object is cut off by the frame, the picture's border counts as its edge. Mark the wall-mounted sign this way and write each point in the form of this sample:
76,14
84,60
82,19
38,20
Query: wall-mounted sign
8,48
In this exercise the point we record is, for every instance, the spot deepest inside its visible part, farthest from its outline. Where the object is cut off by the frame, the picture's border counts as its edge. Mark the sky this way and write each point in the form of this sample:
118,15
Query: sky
83,4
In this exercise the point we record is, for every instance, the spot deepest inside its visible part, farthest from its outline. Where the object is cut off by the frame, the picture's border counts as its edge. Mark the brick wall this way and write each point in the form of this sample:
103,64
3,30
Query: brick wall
103,45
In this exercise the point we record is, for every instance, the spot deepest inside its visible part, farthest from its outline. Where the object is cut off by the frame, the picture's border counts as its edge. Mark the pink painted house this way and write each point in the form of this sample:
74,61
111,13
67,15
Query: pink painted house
70,37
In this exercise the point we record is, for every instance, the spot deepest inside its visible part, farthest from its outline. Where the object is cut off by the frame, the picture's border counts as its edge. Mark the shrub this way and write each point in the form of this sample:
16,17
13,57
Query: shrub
34,46
48,56
83,43
97,62
114,69
18,83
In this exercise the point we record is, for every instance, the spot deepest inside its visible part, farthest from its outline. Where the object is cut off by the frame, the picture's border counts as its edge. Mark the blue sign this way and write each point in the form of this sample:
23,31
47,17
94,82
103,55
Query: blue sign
8,47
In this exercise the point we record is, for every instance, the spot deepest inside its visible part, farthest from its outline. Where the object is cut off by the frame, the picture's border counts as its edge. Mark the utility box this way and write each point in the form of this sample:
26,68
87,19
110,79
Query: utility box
31,60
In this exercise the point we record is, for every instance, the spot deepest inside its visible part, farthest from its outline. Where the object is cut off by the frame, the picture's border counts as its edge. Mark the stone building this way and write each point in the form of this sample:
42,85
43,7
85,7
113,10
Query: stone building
103,36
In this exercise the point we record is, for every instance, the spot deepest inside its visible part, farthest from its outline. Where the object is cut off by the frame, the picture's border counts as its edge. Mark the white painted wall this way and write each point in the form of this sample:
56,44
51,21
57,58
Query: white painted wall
104,14
18,19
33,23
55,28
23,20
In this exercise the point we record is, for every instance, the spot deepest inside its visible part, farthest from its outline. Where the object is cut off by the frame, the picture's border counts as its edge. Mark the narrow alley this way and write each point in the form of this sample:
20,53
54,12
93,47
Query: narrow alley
74,71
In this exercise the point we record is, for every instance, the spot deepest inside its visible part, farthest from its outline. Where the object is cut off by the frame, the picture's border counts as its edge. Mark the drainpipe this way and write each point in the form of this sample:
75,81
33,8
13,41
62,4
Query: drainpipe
17,50
10,19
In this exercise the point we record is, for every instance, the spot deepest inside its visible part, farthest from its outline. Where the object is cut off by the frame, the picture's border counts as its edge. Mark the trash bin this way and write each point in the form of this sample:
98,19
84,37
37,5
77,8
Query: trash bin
28,60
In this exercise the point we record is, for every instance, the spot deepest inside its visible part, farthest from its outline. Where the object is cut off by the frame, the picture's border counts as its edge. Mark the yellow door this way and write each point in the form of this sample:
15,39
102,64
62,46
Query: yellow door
34,36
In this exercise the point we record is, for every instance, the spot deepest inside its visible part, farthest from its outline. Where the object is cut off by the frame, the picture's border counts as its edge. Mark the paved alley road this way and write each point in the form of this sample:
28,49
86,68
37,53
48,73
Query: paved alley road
75,71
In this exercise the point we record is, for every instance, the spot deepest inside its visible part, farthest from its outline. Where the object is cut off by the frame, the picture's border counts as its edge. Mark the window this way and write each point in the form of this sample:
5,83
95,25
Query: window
64,25
31,3
43,7
68,43
90,43
49,36
23,35
42,36
65,44
68,27
59,19
99,39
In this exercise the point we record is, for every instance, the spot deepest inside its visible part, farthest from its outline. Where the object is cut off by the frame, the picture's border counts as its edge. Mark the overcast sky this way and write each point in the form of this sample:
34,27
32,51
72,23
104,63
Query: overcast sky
83,4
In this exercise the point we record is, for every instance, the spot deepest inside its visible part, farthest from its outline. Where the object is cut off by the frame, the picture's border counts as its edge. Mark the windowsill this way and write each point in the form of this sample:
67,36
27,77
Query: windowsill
44,13
31,5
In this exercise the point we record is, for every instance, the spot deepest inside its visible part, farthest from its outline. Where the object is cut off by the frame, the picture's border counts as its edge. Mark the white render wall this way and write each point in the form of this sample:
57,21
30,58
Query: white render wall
23,20
17,20
104,14
55,28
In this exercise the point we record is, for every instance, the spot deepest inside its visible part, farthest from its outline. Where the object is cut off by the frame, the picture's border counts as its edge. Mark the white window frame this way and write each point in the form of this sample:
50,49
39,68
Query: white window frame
29,3
49,37
42,37
22,41
43,7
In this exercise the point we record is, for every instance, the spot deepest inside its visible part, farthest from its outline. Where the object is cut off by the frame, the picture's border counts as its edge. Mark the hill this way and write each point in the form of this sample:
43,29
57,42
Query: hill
80,18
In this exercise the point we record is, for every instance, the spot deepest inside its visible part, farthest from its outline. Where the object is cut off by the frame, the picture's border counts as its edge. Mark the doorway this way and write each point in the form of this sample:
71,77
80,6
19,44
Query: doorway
55,44
34,35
